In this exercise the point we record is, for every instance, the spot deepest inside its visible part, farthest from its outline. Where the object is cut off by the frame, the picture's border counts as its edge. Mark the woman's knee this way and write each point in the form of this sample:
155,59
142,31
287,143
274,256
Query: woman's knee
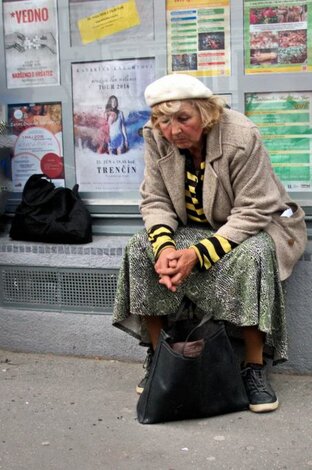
137,240
139,245
258,247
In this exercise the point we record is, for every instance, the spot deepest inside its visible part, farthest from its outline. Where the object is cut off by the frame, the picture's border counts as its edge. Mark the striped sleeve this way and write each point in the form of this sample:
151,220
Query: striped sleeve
160,236
212,249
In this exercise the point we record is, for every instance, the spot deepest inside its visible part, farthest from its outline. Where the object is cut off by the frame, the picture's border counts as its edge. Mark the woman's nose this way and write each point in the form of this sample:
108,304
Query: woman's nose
175,127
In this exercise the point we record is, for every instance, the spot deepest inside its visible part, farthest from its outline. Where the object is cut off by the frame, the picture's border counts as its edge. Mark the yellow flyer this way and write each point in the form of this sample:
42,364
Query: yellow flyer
108,22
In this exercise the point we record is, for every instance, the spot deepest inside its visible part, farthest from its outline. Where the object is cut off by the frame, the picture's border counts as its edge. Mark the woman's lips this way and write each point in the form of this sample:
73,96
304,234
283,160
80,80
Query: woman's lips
179,141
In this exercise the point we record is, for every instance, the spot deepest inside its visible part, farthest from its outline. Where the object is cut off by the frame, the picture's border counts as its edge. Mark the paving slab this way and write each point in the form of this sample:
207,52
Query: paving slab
71,413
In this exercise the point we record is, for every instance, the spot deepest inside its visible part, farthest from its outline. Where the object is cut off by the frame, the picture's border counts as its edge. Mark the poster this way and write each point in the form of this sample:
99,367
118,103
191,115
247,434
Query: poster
285,122
198,37
277,36
109,114
138,24
31,43
36,134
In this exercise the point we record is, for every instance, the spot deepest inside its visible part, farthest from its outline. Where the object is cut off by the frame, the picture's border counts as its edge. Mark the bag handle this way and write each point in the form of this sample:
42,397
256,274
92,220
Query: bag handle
204,320
187,304
75,189
50,194
34,179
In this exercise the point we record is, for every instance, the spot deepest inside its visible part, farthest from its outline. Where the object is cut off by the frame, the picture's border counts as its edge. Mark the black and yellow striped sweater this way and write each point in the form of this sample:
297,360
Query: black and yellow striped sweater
208,250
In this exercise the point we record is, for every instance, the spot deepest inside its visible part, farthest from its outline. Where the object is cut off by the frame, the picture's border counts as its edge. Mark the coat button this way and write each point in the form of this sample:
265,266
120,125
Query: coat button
291,242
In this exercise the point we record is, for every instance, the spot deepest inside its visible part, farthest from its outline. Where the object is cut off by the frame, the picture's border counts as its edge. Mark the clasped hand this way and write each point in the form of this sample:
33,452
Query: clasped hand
174,266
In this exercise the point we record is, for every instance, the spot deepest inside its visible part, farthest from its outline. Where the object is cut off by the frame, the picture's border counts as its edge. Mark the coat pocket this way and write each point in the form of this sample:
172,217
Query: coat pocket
290,238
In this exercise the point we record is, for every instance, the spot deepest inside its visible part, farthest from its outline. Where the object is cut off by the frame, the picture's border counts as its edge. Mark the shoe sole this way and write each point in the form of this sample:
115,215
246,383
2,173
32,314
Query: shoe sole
139,390
264,407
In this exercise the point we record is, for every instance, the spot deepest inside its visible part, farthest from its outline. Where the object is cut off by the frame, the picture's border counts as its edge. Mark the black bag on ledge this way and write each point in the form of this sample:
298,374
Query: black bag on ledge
49,214
194,374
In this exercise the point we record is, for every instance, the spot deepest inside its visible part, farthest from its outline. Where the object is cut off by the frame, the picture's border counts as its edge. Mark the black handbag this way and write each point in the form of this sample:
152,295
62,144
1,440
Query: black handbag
192,379
49,214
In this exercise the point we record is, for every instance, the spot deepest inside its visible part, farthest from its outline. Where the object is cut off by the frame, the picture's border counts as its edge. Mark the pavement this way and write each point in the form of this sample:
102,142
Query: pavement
71,413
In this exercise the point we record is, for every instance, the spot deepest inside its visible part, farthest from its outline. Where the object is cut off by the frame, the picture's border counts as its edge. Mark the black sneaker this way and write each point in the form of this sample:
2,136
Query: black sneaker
147,366
261,396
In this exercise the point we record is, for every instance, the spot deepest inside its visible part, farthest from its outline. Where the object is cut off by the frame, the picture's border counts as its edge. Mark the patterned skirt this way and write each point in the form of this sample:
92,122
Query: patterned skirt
242,289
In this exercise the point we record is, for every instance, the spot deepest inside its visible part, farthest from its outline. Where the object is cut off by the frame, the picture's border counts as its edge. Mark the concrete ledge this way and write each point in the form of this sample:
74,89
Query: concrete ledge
299,317
83,334
103,252
66,334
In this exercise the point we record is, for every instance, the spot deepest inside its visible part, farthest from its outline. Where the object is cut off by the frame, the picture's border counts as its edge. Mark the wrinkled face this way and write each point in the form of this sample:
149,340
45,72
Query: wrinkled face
183,128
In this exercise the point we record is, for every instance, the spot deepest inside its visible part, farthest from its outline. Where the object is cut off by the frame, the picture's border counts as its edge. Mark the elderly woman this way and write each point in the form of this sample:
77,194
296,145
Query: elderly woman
220,230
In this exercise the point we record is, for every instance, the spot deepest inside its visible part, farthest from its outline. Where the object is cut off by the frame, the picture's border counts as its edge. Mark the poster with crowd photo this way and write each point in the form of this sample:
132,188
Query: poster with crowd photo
277,36
109,114
285,122
110,21
31,43
36,134
198,37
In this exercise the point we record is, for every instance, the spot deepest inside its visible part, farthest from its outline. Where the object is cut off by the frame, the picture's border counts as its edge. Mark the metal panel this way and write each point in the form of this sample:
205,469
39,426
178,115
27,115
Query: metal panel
59,289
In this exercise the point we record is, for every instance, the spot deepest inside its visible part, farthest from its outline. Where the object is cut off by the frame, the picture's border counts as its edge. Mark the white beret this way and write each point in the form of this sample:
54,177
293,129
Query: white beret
175,87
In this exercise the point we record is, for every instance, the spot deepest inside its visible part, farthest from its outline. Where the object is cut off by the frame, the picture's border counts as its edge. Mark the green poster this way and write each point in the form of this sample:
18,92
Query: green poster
285,122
